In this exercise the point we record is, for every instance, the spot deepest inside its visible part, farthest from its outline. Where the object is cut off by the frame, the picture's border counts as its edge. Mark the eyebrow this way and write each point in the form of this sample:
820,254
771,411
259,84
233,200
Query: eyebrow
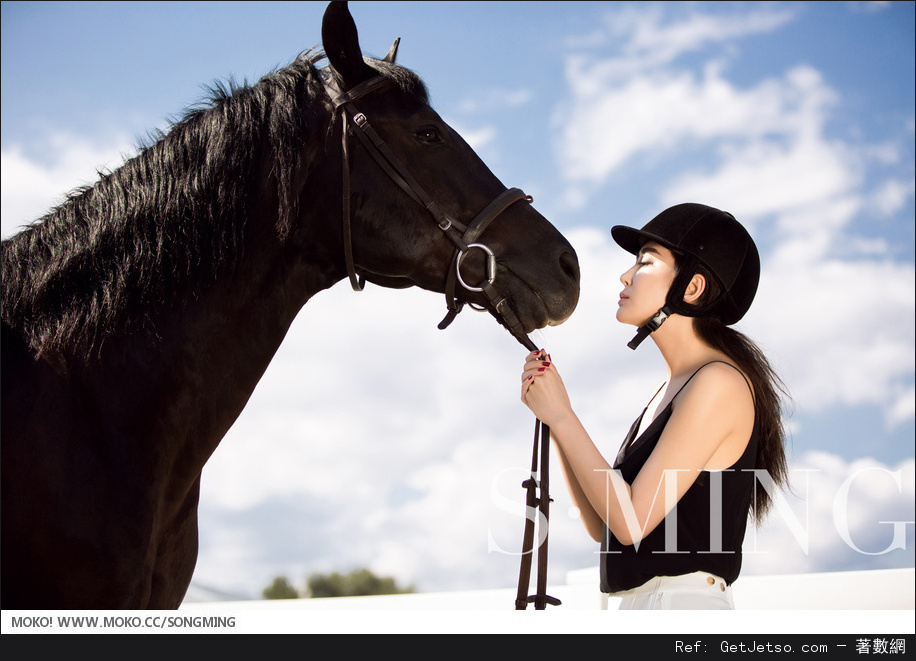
645,249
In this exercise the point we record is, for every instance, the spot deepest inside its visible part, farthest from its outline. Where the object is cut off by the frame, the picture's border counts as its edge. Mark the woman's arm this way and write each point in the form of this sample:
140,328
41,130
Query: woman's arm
594,524
711,410
537,364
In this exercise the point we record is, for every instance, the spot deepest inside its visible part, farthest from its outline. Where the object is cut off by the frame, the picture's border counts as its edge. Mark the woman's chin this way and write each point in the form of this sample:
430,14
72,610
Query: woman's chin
624,318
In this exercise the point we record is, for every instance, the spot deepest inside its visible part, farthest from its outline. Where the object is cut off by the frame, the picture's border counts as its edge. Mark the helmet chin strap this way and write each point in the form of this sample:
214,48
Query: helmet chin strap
673,303
650,327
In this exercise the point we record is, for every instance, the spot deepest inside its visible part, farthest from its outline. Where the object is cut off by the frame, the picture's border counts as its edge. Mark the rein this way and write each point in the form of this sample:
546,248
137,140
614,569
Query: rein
465,239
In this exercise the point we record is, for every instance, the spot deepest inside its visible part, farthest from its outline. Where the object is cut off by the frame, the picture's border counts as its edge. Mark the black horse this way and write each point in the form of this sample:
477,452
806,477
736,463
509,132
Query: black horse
140,314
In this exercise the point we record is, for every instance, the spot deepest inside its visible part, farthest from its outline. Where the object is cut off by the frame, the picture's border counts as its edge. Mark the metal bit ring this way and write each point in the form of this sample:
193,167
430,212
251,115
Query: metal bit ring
491,266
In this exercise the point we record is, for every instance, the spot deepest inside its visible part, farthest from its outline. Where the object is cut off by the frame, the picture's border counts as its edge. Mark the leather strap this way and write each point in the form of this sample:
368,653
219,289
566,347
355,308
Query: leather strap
649,327
340,100
541,504
478,225
462,237
357,284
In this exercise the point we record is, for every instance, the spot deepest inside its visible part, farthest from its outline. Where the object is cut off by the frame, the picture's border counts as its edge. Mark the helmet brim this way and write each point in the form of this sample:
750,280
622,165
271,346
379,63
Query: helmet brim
632,240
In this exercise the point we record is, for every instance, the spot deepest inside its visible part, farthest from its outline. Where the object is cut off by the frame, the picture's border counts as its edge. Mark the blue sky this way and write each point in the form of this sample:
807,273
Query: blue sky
797,117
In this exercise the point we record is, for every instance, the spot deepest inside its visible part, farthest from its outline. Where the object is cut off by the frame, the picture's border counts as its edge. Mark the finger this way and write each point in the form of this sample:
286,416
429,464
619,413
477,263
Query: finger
526,387
536,355
535,368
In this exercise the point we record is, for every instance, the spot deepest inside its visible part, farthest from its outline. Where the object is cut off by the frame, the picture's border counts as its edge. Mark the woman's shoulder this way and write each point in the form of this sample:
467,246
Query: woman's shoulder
711,419
719,380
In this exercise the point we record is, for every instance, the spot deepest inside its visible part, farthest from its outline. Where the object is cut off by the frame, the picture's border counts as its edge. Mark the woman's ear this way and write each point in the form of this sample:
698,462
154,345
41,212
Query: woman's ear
695,289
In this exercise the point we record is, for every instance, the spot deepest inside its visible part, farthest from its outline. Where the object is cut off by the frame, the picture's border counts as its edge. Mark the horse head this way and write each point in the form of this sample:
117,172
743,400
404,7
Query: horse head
416,196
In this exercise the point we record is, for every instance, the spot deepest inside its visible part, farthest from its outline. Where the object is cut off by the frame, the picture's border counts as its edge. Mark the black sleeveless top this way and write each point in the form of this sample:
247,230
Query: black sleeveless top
700,546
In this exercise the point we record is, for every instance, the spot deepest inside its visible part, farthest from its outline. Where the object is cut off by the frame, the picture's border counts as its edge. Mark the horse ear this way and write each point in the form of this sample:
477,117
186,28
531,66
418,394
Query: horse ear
392,52
341,44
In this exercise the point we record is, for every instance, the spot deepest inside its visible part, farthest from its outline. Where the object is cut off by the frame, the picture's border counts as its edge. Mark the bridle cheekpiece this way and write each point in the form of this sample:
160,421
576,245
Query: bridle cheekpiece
464,237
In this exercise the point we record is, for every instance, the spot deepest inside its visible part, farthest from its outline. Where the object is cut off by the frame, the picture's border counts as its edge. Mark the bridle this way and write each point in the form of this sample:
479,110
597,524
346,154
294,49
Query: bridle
465,238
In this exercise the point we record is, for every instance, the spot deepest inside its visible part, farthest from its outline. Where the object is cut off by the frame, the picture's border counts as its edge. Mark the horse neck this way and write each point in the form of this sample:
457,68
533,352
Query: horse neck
225,339
170,362
208,350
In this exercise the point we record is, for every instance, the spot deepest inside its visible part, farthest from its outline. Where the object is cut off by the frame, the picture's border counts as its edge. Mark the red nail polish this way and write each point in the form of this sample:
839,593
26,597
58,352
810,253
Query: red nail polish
541,369
546,364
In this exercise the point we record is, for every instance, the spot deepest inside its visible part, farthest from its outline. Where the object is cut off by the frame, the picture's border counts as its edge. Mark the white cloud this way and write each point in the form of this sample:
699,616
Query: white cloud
647,42
841,516
761,151
902,408
890,197
29,189
761,177
765,135
843,329
767,158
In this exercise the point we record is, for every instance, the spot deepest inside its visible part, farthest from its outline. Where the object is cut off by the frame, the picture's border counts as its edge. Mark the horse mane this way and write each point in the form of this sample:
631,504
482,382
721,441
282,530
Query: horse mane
169,221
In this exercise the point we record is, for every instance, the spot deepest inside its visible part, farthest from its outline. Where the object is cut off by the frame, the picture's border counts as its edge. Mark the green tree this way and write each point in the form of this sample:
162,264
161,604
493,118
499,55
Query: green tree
359,582
280,589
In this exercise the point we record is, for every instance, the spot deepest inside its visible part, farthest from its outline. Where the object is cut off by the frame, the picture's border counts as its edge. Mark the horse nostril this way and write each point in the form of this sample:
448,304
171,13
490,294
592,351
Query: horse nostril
569,264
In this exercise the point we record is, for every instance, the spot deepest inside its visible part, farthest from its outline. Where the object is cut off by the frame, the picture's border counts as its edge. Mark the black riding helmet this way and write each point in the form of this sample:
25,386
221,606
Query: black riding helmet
699,234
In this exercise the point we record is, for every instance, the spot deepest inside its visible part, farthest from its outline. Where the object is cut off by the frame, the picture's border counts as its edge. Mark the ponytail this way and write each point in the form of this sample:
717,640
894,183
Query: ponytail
769,392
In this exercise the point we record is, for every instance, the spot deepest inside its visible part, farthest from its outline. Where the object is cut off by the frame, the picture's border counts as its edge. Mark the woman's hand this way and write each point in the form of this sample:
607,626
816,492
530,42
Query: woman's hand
542,389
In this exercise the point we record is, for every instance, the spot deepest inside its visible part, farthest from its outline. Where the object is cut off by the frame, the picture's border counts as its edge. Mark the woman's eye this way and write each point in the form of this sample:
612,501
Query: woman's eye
428,135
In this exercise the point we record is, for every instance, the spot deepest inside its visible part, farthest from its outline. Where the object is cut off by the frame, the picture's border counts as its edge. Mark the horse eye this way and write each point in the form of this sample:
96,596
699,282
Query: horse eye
428,135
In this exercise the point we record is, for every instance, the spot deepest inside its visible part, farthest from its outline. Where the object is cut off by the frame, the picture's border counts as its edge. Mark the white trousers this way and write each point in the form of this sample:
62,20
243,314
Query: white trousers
697,591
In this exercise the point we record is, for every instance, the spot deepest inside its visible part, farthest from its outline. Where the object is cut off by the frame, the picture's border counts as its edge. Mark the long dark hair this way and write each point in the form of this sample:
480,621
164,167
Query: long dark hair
171,218
169,221
770,393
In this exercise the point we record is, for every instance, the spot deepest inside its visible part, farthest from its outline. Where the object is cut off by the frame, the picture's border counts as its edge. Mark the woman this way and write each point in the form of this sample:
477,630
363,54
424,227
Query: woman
672,511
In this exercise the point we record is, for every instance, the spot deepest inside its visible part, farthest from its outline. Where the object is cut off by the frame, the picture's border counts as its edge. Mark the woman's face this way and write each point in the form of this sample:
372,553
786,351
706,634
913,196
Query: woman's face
646,284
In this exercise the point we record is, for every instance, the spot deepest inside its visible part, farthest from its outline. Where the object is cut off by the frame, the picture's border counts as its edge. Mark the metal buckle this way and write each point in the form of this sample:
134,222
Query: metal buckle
491,266
658,319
